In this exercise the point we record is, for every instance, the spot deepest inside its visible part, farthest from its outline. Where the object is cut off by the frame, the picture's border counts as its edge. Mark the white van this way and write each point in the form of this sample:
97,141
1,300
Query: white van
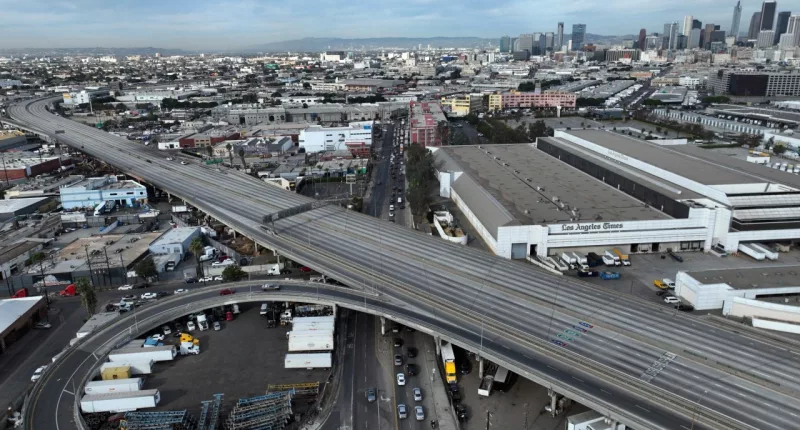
263,309
399,200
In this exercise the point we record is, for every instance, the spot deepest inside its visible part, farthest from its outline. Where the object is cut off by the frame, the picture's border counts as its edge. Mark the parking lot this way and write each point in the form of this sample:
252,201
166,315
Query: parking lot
240,360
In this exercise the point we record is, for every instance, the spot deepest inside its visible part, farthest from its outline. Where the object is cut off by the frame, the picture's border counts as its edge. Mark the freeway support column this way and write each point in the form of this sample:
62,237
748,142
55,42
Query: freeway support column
553,402
383,326
480,367
438,342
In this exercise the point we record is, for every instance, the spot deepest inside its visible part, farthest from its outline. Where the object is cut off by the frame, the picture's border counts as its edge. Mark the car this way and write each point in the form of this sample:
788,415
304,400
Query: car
391,207
411,352
412,369
227,262
218,278
190,326
395,329
401,379
398,360
38,373
398,342
158,337
371,397
162,294
684,307
419,413
402,413
305,269
417,394
128,298
270,287
227,292
661,292
42,325
391,214
217,326
149,296
181,291
190,280
461,413
465,368
660,284
671,299
184,163
178,328
166,330
125,287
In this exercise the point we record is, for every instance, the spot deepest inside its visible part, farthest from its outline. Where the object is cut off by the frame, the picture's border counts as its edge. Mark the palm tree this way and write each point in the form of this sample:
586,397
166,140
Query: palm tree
196,247
229,147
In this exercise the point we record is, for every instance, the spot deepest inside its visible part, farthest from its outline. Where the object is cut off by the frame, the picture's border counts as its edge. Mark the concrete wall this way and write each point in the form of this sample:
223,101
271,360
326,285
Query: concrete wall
776,325
743,307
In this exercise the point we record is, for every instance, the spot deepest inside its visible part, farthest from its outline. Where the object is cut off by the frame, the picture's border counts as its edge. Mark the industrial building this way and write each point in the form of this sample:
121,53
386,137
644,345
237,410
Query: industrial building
21,165
427,124
11,139
13,256
17,316
592,189
208,138
108,190
328,113
175,241
462,105
15,207
317,138
670,95
754,84
517,99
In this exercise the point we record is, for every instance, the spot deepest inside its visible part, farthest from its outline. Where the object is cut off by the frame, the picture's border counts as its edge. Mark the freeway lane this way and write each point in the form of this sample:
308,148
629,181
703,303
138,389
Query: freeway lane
505,300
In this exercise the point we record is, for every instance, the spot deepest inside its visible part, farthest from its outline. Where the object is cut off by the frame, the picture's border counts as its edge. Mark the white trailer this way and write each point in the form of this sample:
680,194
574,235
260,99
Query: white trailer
568,258
770,254
137,367
613,256
113,386
560,265
743,247
608,261
308,361
120,402
312,326
155,353
581,259
310,341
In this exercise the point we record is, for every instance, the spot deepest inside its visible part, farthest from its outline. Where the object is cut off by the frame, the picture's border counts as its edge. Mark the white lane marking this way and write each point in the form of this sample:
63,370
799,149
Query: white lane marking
646,410
552,367
69,392
604,390
577,379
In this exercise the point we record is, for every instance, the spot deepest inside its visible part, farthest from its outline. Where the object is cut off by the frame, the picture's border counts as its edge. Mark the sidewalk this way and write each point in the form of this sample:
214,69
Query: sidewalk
441,411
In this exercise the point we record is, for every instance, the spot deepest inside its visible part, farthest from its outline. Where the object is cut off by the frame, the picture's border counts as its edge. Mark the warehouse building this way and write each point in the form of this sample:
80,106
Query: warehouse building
17,316
317,138
21,165
16,207
593,189
110,190
175,241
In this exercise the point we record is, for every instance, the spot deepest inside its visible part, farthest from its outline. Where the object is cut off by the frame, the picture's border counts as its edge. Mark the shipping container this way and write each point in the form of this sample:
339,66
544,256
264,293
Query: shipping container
308,361
155,353
113,386
135,367
120,402
116,371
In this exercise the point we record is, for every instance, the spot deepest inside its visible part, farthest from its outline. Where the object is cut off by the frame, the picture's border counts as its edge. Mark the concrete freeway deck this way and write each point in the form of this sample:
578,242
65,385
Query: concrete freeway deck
721,379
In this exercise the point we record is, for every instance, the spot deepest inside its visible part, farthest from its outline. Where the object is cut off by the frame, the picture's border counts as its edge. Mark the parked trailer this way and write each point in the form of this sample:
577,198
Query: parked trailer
156,353
751,252
569,259
136,367
308,361
613,256
558,263
114,386
769,253
783,246
120,402
310,341
623,258
312,325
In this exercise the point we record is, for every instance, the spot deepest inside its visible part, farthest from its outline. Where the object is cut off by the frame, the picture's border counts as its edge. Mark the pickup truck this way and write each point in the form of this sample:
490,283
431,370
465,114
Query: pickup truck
660,284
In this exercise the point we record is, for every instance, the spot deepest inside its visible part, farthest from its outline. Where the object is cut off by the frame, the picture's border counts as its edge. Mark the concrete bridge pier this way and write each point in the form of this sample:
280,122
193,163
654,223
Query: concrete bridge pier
438,342
383,326
480,367
553,406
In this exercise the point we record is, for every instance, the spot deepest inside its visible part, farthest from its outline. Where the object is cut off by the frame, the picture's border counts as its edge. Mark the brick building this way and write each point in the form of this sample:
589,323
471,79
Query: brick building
427,124
208,138
21,165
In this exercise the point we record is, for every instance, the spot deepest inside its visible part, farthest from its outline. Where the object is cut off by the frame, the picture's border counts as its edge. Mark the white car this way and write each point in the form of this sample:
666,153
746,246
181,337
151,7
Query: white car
419,413
38,373
206,279
190,326
184,163
671,299
227,262
181,291
169,158
166,330
401,379
158,337
417,395
218,278
149,296
125,287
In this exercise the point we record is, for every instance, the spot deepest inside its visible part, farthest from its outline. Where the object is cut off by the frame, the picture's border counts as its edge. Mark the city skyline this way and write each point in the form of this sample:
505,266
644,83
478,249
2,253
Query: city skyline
242,23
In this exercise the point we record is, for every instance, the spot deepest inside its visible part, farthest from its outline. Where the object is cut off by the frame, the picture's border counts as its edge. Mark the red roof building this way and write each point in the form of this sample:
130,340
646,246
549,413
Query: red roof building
427,124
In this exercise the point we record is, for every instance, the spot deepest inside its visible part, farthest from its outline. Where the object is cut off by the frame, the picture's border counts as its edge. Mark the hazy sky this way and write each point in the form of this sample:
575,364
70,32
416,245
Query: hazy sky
231,24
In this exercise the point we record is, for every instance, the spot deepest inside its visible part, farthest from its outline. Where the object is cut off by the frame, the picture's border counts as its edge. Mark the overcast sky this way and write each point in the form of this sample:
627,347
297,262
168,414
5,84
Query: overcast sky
232,24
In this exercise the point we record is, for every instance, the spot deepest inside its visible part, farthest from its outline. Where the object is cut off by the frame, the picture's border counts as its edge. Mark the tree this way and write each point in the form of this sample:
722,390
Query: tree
233,273
241,155
146,269
210,151
770,143
306,85
196,247
421,176
88,298
537,129
229,147
779,149
276,94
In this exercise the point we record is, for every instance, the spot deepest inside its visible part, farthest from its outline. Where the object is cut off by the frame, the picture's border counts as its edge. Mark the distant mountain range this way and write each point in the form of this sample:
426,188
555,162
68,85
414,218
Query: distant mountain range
317,44
118,52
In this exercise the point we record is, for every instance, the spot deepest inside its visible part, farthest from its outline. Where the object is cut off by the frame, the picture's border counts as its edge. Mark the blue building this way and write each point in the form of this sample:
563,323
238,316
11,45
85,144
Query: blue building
102,193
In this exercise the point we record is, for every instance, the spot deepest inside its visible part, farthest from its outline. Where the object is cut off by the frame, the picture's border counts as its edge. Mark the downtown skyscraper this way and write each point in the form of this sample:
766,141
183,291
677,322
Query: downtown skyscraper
767,15
559,42
578,36
737,18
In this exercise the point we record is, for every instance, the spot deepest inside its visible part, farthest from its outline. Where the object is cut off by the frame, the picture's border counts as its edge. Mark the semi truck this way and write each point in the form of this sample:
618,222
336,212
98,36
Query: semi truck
189,348
308,361
594,260
582,261
155,353
22,293
113,386
69,291
770,254
745,248
623,258
134,367
202,322
120,402
449,362
274,269
310,341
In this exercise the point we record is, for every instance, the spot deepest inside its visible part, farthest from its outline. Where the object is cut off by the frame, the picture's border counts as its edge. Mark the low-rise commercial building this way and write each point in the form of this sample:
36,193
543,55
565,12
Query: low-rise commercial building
108,190
21,165
208,138
517,99
17,316
317,138
175,241
754,84
427,124
462,105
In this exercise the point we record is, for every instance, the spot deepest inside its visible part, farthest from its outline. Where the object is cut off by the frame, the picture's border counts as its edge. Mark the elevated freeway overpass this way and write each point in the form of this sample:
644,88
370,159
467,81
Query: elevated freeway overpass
644,365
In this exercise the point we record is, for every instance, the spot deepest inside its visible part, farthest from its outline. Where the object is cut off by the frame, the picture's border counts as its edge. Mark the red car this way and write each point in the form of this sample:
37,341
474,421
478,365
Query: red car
305,269
227,291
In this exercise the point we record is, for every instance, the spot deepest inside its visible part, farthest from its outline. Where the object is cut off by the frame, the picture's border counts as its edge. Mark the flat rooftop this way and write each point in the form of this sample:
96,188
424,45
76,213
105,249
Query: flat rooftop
743,279
526,182
13,205
689,161
12,309
129,246
759,113
15,250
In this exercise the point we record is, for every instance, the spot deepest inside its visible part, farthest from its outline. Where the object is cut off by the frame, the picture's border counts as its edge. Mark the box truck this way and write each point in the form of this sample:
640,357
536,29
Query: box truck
623,258
617,260
155,353
134,367
113,386
569,259
120,402
449,362
310,341
308,361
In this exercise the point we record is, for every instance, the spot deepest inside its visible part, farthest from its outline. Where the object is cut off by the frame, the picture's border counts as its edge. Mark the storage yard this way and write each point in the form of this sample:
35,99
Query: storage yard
268,366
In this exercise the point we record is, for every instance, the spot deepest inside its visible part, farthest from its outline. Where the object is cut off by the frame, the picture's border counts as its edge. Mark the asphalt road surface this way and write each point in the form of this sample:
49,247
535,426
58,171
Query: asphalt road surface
596,346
